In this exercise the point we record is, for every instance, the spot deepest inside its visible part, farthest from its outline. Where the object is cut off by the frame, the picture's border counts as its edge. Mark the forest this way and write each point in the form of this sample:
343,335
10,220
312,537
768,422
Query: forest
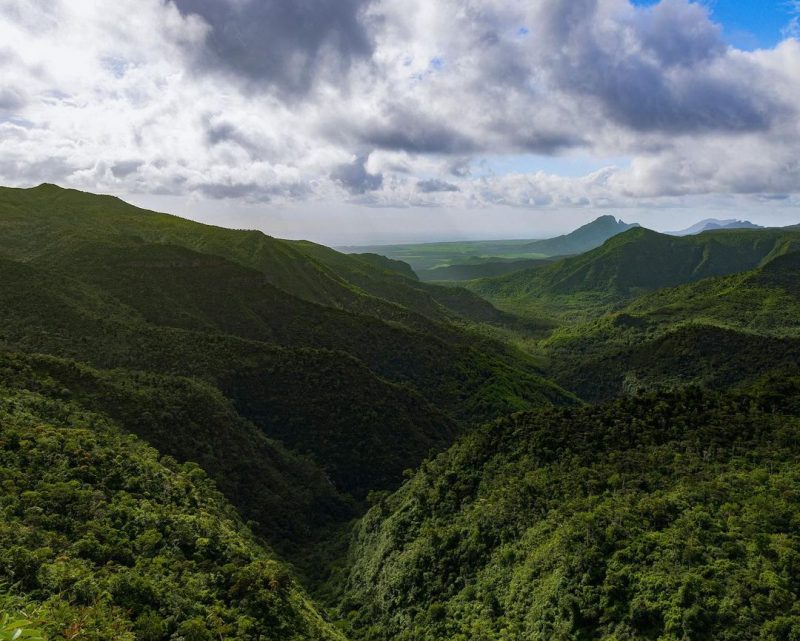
209,433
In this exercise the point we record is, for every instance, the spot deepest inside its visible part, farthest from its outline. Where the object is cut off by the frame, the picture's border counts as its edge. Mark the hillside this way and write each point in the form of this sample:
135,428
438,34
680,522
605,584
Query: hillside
657,517
631,264
483,269
719,331
98,282
102,538
46,224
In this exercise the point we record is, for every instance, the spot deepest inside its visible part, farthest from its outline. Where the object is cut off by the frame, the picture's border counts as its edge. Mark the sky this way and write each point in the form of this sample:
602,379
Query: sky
384,121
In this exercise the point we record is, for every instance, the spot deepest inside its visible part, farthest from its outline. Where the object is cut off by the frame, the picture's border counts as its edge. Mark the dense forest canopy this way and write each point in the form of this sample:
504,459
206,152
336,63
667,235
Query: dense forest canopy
215,434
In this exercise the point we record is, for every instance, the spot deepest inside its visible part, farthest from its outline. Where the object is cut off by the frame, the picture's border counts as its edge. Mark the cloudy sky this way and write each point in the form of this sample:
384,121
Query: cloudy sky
360,121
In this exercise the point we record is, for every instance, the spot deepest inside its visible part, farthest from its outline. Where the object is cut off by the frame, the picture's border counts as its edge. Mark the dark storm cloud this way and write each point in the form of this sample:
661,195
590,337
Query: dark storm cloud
281,43
406,129
433,186
218,133
355,178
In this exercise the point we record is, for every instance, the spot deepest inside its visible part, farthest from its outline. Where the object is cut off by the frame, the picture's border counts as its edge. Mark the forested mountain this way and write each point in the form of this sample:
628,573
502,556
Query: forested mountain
671,516
194,422
102,538
631,264
719,332
118,287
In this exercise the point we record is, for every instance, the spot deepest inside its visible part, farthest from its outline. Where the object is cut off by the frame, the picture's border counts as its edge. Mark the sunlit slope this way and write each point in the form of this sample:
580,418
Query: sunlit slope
669,516
719,331
631,264
43,223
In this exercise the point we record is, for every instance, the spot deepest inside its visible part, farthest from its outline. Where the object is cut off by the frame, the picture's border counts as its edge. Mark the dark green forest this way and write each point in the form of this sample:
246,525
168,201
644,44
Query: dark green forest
213,434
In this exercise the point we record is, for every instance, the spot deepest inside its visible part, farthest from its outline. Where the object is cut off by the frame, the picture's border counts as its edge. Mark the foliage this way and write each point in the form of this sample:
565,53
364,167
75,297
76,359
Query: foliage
18,627
355,355
112,542
720,332
671,516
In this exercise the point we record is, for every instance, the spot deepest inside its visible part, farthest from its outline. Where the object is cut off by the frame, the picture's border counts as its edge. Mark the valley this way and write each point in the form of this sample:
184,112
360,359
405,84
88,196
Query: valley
212,433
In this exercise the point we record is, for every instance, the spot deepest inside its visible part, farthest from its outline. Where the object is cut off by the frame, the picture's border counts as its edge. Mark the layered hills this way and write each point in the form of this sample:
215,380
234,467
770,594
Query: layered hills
204,434
711,224
631,264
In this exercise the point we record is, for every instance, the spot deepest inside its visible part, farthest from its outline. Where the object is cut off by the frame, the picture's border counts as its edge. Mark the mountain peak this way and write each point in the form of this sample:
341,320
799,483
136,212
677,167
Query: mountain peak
586,237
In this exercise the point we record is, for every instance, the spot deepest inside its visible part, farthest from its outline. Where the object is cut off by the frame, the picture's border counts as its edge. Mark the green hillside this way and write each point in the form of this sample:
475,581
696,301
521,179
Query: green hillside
631,264
47,223
163,383
657,517
191,421
101,538
268,384
483,269
720,332
94,280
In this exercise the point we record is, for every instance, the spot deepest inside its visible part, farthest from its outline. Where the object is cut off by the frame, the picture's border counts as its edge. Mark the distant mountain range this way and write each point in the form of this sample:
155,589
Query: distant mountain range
710,224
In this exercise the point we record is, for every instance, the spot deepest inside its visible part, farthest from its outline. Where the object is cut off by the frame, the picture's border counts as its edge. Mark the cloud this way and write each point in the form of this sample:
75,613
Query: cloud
281,44
355,178
342,101
125,167
11,99
433,186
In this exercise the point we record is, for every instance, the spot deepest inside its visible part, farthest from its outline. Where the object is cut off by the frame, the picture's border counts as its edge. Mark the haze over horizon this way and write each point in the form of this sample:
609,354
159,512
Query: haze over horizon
381,121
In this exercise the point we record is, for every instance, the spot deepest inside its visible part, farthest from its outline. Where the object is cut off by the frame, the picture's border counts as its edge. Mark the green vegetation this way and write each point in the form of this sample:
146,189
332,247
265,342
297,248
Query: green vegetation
671,516
104,539
186,409
719,332
474,271
391,370
629,265
428,256
18,627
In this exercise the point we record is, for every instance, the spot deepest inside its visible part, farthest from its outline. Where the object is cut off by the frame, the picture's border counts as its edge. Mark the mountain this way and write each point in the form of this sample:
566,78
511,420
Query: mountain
718,332
429,259
711,224
583,239
630,264
103,538
357,367
204,434
665,516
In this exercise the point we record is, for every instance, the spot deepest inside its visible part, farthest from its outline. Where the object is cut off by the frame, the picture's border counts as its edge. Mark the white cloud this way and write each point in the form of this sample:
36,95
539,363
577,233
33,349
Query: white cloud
138,97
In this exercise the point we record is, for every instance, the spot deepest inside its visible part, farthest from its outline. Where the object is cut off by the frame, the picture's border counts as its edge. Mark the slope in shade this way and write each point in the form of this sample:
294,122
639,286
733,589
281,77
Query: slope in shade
102,539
